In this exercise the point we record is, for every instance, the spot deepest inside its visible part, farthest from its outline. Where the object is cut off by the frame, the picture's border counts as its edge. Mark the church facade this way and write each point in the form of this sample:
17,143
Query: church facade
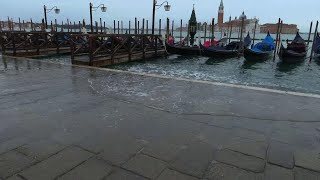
235,24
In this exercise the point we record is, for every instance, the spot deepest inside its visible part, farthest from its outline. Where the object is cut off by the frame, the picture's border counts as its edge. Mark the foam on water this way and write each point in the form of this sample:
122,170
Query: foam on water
275,75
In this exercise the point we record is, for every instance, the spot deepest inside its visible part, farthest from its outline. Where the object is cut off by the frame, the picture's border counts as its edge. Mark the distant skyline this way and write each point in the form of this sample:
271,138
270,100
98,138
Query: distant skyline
292,12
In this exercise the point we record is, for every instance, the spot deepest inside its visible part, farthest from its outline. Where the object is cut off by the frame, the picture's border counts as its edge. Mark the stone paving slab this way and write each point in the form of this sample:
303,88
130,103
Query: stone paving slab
276,172
194,160
217,137
40,150
12,144
281,154
250,147
93,169
242,161
145,166
304,174
308,159
78,105
120,174
219,171
163,150
57,165
119,153
169,174
13,162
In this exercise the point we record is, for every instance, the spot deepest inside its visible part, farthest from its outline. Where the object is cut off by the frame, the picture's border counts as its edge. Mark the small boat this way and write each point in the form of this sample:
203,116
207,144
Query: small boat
182,50
317,47
295,52
261,51
228,51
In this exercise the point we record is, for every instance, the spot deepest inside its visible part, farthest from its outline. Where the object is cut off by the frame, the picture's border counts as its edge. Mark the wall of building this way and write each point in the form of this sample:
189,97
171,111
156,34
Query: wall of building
286,28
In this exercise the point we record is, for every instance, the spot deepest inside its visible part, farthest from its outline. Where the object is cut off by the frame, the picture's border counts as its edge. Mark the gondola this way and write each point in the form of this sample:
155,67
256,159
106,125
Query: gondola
317,48
182,50
261,51
228,51
295,52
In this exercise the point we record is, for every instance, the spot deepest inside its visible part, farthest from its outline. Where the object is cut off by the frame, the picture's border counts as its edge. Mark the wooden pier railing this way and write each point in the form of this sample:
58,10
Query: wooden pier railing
107,49
22,43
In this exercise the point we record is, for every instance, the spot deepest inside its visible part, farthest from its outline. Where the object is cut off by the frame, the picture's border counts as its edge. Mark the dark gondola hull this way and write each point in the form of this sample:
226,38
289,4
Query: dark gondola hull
291,56
317,56
218,53
251,55
171,49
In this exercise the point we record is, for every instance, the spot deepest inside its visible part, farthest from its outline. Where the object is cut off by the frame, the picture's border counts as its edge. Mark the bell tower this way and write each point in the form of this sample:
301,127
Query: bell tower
220,13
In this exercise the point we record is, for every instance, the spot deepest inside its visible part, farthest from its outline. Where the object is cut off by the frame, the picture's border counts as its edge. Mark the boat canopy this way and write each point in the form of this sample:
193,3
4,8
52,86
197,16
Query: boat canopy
298,39
266,45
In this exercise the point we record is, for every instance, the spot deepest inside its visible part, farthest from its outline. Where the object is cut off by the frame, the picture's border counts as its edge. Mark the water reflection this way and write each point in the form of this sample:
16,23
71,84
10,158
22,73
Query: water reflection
215,61
286,68
251,64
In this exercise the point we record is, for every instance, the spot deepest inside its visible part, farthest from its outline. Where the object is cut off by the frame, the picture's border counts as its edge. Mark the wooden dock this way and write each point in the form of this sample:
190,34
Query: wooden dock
96,49
34,43
107,49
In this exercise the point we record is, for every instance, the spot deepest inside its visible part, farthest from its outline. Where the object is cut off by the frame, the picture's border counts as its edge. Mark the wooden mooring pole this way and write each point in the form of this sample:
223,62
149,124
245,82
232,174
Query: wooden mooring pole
188,34
32,27
142,29
68,28
114,26
121,27
24,27
254,32
167,30
280,41
147,28
101,28
97,27
230,35
309,36
138,30
159,26
135,25
181,32
212,32
205,32
20,24
172,29
129,27
118,27
314,39
56,24
241,37
275,49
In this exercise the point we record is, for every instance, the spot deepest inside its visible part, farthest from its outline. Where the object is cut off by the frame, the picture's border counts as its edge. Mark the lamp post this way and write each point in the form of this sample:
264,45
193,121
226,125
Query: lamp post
103,9
45,10
166,8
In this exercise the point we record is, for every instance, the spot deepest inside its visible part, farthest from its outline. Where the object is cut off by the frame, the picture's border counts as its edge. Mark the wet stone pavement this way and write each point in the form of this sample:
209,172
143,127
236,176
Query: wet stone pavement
68,122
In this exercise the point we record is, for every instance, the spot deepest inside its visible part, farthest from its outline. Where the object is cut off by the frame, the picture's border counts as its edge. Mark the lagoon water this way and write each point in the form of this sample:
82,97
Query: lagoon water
304,77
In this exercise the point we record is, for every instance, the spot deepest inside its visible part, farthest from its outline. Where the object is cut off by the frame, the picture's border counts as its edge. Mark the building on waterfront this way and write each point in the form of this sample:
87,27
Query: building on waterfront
286,28
235,24
225,27
220,13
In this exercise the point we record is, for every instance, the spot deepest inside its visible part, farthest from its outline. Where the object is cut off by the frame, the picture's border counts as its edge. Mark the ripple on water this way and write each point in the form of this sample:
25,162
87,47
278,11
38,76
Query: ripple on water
302,77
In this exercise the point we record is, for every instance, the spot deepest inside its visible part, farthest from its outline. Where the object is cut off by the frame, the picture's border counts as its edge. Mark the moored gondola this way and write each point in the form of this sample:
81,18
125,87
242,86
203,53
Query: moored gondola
228,51
182,50
295,52
261,51
317,48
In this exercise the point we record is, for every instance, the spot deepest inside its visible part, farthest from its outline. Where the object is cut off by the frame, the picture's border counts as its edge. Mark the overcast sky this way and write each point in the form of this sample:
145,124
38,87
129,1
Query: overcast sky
300,12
